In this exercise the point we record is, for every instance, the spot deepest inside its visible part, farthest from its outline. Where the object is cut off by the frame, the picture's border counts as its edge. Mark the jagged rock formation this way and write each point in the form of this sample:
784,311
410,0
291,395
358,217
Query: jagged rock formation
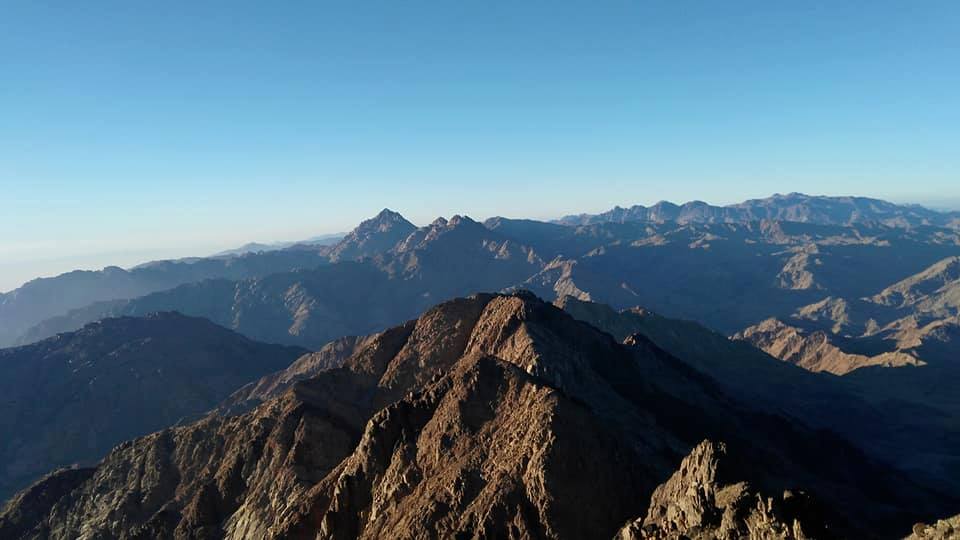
70,398
814,351
709,497
490,416
943,529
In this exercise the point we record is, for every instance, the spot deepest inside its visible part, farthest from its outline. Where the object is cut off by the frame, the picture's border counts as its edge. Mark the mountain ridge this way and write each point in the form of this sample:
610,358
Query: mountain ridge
70,398
481,416
824,210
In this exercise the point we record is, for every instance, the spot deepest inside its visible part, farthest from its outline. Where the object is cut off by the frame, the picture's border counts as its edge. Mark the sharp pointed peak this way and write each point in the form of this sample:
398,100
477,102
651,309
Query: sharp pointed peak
388,215
385,219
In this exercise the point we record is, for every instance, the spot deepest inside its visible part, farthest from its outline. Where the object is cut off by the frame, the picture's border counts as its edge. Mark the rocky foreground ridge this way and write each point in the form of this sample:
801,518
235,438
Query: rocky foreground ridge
494,416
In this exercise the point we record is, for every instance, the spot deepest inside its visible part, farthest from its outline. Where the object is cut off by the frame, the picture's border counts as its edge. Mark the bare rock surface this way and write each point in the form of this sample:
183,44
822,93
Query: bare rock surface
815,351
494,416
709,497
943,529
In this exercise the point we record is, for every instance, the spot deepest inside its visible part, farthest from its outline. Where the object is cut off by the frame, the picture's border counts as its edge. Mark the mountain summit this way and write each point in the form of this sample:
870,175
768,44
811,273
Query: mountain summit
373,236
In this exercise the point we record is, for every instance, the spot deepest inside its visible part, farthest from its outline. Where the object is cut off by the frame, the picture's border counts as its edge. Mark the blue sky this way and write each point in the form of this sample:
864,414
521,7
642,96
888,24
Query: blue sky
133,130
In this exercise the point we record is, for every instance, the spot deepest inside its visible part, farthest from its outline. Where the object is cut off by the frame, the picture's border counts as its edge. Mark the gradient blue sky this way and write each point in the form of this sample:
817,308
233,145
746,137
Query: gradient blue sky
132,130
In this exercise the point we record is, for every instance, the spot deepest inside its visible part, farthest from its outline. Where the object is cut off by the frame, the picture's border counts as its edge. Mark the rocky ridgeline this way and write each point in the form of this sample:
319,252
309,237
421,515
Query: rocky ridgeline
489,416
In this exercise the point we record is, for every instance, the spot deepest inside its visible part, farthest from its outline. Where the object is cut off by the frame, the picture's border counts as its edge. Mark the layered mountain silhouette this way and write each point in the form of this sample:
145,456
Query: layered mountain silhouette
488,416
446,259
69,399
622,409
728,275
45,298
796,207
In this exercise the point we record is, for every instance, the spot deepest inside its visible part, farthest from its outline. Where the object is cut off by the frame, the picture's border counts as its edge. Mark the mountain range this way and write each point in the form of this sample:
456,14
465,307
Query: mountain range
797,207
492,416
780,368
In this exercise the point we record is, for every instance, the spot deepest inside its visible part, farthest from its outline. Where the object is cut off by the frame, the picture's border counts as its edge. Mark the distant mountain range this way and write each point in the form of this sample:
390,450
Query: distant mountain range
844,314
44,298
256,247
819,210
44,307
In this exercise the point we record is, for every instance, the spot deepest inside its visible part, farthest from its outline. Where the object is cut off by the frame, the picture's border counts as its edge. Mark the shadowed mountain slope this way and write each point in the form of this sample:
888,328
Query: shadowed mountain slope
904,417
69,399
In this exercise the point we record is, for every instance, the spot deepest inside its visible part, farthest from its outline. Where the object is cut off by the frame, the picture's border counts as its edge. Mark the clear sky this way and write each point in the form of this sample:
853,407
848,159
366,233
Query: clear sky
132,130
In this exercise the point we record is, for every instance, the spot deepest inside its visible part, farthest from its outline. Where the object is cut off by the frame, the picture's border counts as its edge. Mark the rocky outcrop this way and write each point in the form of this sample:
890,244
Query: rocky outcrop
932,293
32,504
943,529
815,351
709,497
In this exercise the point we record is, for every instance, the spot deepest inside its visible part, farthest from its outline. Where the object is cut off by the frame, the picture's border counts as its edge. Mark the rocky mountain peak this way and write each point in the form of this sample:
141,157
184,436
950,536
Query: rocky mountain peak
373,236
710,497
386,216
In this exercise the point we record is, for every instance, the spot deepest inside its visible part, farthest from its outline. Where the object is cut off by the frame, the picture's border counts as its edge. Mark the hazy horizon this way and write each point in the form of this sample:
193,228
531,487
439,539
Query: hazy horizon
18,270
